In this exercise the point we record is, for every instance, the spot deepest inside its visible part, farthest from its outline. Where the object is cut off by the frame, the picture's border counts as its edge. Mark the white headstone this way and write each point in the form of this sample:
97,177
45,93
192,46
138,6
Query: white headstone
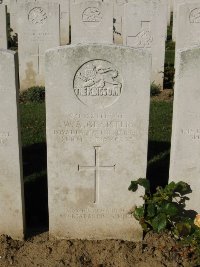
3,27
64,21
176,4
38,27
64,17
189,20
11,178
97,131
5,3
13,16
92,22
145,26
118,17
169,13
185,144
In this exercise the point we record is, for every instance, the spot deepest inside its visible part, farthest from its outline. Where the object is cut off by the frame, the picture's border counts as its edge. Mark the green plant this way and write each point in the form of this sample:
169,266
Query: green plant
169,76
155,89
33,94
165,210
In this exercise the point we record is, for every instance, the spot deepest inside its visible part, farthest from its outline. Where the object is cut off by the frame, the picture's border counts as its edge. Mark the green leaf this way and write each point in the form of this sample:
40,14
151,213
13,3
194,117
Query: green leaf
170,209
139,213
183,228
144,182
171,187
133,186
151,210
159,223
183,188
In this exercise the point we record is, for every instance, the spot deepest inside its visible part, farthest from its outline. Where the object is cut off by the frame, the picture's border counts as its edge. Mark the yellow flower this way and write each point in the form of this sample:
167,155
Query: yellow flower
197,220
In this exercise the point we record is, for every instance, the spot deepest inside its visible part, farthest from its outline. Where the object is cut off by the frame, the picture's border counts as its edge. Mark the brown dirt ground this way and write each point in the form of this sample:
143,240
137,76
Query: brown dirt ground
155,251
165,95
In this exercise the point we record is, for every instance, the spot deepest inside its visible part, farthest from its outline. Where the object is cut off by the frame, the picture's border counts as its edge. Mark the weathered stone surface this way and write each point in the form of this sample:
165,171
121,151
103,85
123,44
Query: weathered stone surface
91,22
13,16
64,18
185,144
145,26
189,20
118,17
38,27
97,129
11,180
169,12
64,21
176,4
3,27
5,3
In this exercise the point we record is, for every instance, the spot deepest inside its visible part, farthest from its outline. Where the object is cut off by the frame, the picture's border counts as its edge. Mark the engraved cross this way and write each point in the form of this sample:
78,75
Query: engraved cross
38,55
96,169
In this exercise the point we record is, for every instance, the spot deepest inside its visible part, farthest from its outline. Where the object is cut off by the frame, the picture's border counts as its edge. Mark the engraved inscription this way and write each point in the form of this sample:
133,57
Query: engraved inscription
4,136
98,83
112,213
92,16
143,39
96,168
95,129
194,16
37,16
193,134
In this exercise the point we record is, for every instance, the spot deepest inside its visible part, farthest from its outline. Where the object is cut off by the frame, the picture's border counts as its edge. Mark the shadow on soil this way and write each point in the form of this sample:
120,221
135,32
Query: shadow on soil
35,188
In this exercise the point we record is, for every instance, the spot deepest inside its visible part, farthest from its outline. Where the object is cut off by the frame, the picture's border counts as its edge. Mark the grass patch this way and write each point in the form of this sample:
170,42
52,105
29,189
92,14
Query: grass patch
160,126
33,123
34,165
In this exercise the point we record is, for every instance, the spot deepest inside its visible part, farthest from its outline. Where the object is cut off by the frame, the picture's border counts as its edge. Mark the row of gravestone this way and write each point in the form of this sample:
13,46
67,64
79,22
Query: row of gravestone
40,26
97,113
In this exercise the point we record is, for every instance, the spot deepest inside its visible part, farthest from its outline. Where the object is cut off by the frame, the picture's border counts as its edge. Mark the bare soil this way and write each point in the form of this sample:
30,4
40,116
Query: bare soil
165,95
155,250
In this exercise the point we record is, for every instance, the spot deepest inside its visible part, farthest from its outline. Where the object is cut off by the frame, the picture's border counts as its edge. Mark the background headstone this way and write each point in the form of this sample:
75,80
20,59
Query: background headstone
3,27
38,27
169,13
64,17
91,22
189,20
176,4
64,21
118,17
145,26
5,3
185,143
11,178
97,132
13,16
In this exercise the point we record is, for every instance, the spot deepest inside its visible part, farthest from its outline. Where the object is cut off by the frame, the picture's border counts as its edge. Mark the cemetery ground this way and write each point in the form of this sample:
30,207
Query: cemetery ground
39,250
